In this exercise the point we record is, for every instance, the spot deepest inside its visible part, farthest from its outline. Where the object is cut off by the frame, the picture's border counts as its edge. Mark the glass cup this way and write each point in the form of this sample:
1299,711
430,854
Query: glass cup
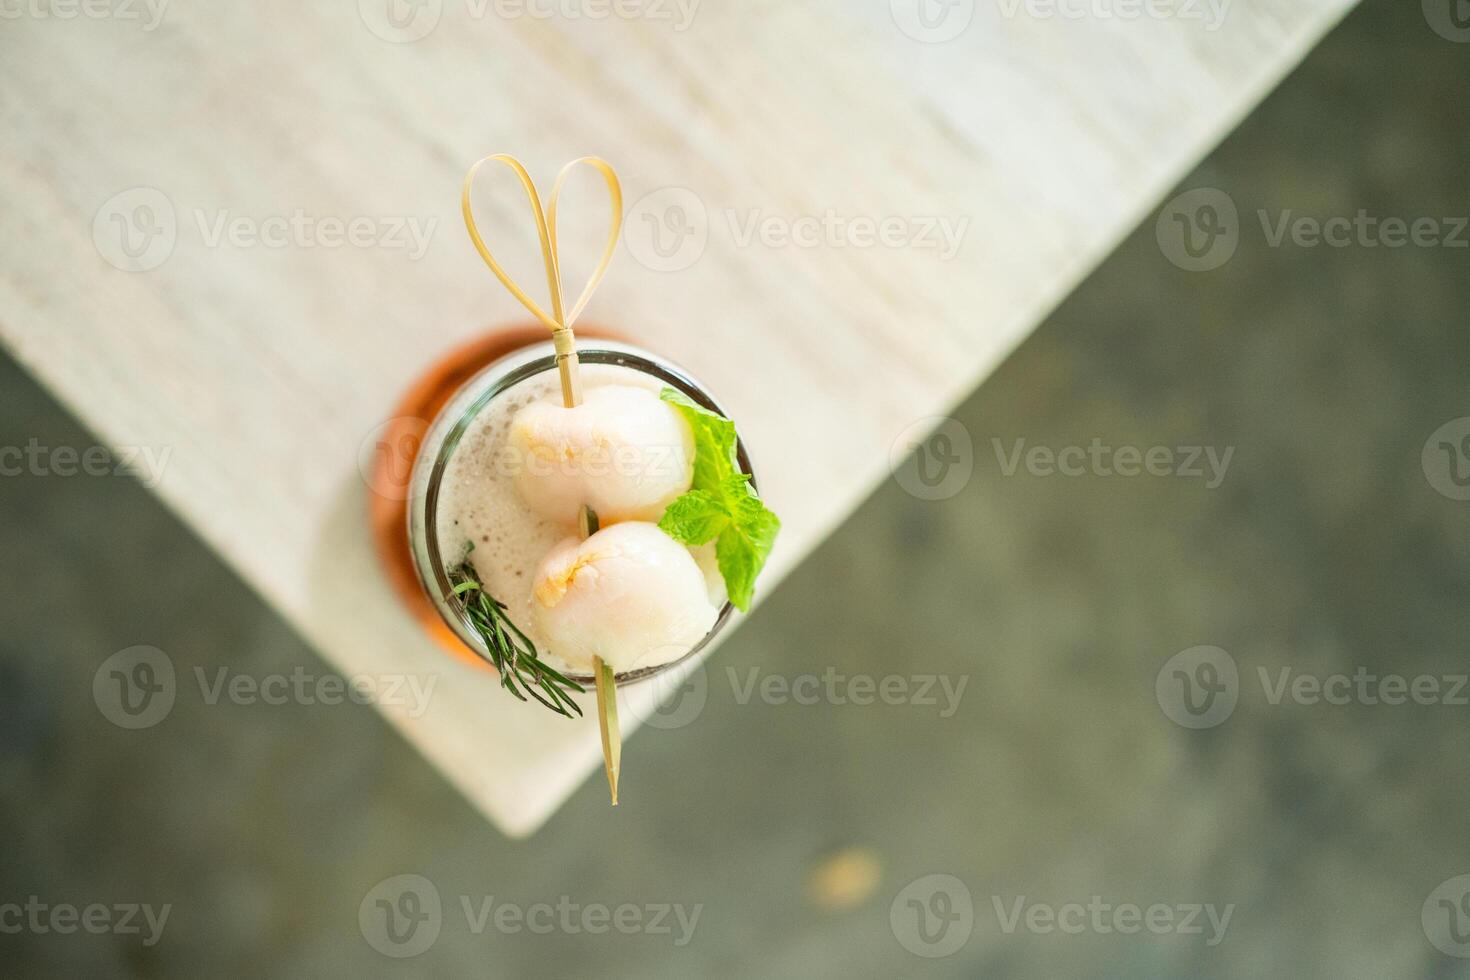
442,439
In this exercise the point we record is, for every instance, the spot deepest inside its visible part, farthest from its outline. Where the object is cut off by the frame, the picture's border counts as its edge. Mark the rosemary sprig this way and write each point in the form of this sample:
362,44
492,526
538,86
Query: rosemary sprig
512,653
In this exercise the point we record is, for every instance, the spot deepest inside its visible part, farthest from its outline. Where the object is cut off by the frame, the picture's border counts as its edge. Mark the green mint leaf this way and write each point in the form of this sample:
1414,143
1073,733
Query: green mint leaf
714,440
722,505
696,517
743,547
733,488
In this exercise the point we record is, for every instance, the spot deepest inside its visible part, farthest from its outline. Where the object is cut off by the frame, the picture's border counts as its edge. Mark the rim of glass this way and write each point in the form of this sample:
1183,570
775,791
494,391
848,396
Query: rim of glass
537,359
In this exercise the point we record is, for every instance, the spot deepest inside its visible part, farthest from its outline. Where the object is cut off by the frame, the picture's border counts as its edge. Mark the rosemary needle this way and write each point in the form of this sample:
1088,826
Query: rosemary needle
510,651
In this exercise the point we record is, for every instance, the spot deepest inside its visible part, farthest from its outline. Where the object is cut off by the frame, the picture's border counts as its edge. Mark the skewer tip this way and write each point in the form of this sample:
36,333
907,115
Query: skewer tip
607,717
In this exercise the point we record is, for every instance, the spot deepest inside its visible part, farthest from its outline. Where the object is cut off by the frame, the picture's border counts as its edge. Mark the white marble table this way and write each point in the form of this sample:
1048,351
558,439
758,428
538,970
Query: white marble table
210,215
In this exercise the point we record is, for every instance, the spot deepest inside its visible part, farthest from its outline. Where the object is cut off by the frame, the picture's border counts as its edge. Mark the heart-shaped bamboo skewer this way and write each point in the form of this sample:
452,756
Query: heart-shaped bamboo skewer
564,342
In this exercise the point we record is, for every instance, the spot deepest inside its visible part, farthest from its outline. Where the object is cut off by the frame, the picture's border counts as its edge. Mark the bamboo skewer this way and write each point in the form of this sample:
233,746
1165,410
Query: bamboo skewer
607,723
607,690
587,524
560,323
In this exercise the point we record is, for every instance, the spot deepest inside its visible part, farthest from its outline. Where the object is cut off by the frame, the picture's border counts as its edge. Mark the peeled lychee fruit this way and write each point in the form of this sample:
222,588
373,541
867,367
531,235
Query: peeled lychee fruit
629,594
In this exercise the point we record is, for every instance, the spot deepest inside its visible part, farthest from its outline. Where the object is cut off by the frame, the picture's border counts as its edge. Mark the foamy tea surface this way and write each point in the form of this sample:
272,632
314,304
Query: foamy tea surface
478,501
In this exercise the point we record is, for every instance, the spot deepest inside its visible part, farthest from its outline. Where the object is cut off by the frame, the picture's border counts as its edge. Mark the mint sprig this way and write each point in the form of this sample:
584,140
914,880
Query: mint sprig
721,505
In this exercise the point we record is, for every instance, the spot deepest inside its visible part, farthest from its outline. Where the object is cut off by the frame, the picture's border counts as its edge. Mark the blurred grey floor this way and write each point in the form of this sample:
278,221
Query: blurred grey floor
1059,778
